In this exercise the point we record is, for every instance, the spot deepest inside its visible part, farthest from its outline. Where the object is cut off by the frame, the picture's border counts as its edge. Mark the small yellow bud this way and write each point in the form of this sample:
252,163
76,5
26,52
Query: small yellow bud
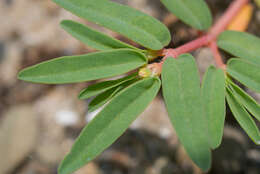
144,72
151,70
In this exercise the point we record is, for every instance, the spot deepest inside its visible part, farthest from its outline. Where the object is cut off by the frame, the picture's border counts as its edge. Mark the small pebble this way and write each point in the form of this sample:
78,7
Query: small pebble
66,117
2,51
8,2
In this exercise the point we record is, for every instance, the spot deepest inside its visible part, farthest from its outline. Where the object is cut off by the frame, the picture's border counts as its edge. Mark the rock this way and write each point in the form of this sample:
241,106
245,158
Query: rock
253,161
139,151
122,158
155,120
18,134
33,23
91,168
254,155
204,59
8,2
185,162
159,164
230,157
62,112
34,167
10,64
2,50
50,152
170,19
150,7
67,117
236,133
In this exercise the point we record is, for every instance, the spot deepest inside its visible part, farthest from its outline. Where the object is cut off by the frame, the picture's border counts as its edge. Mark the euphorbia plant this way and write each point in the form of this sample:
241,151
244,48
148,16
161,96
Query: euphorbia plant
197,112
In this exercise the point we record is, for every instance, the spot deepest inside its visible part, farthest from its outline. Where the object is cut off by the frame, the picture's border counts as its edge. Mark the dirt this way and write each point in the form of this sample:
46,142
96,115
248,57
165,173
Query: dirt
30,33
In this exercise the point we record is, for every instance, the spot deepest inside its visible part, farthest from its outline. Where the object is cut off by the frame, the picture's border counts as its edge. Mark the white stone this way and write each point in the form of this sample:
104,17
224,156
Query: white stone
66,117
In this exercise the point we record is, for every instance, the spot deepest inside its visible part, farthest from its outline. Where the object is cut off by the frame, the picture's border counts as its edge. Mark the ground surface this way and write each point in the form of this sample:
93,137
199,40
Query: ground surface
38,123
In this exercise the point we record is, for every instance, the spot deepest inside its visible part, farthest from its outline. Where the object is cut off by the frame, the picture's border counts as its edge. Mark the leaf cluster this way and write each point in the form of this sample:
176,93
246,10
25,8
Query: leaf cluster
197,111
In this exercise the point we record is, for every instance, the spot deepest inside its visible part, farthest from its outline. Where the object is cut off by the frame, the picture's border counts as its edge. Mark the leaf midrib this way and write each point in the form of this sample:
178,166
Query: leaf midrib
187,120
114,83
115,118
57,74
105,46
236,46
146,33
241,75
211,108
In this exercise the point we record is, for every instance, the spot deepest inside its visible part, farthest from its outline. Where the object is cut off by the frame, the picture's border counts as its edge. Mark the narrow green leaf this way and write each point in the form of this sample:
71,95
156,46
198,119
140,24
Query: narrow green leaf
245,72
71,69
181,91
92,37
104,97
110,123
243,118
213,96
137,26
246,100
98,88
241,44
193,12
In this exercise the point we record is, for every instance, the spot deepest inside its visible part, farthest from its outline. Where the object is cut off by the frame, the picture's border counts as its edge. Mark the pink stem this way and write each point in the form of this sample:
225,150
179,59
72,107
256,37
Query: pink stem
214,48
227,17
205,40
193,45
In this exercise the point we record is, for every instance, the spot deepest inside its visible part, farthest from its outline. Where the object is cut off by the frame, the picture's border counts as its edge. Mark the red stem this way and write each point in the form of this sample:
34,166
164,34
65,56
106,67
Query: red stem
211,36
190,46
223,22
214,48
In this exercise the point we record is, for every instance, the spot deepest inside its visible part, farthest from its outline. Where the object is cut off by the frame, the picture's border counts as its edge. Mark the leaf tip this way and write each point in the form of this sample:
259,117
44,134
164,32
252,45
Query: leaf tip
66,166
63,22
21,75
215,144
62,169
206,165
81,95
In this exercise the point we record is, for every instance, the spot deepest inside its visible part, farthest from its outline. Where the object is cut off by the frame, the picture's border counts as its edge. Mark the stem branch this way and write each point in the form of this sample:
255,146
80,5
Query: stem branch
227,17
190,46
209,39
214,48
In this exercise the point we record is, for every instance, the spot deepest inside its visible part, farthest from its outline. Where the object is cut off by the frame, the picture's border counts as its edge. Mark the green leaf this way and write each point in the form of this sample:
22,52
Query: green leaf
71,69
137,26
213,96
110,123
92,37
193,12
104,97
98,88
241,44
245,72
243,118
247,101
181,91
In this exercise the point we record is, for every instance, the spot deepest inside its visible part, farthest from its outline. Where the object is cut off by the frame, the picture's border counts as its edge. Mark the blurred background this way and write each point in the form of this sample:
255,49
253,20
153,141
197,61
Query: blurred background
39,123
